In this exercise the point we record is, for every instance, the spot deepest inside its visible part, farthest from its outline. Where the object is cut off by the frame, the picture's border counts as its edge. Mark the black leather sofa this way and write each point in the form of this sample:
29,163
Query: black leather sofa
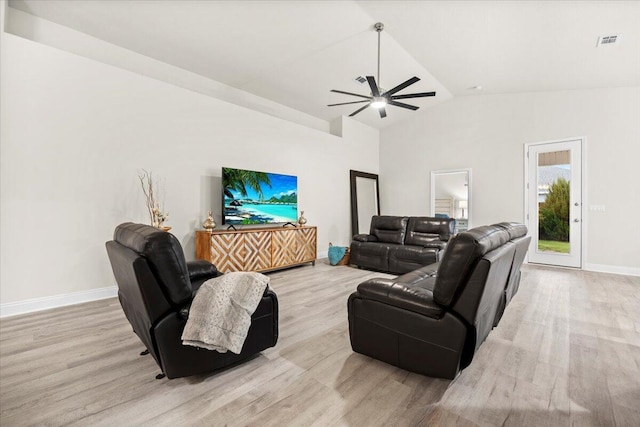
433,319
518,237
156,287
399,244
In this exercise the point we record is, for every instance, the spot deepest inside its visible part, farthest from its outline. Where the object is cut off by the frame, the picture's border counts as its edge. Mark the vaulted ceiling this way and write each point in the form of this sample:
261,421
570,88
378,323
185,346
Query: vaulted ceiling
294,52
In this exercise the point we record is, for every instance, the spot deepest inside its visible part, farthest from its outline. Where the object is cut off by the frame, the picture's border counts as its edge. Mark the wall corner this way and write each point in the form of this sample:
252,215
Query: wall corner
335,127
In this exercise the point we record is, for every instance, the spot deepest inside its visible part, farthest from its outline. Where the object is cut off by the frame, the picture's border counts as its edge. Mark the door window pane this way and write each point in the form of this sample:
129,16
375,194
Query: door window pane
554,180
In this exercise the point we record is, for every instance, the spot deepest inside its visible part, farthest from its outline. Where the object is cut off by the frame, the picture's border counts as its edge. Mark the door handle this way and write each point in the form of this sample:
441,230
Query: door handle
576,220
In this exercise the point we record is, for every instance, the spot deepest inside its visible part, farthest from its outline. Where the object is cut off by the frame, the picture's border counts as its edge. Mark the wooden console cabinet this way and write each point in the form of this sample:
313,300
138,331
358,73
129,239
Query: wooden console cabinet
257,249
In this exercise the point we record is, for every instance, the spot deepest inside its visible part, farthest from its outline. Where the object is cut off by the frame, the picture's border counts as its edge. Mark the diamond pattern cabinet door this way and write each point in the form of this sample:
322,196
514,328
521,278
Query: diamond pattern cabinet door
257,251
309,246
228,251
285,247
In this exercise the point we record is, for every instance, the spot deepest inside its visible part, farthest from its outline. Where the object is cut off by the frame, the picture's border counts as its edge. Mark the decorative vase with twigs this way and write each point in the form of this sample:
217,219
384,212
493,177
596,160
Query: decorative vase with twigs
151,190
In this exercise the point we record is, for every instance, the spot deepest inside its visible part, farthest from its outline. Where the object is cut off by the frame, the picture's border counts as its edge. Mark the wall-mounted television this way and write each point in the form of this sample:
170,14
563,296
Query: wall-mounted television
252,197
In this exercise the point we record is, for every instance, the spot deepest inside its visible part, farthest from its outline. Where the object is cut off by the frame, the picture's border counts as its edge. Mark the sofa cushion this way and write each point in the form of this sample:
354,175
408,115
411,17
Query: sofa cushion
389,229
422,230
461,256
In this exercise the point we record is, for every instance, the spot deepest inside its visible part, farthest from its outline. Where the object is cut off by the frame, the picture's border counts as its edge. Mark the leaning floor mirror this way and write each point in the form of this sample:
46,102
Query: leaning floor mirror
451,196
365,201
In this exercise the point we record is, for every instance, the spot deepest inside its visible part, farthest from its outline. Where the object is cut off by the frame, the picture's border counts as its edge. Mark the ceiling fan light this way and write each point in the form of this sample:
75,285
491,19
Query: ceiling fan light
378,102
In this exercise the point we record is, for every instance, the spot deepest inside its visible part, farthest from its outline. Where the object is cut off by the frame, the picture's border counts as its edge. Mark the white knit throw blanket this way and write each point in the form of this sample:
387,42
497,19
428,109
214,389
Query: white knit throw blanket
220,314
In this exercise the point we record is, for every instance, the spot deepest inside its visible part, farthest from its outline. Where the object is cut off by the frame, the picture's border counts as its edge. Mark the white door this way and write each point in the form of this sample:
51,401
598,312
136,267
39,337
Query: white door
554,203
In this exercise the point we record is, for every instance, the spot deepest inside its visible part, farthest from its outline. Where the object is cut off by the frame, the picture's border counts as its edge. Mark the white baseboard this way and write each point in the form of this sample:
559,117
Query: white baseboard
598,268
614,269
45,303
55,301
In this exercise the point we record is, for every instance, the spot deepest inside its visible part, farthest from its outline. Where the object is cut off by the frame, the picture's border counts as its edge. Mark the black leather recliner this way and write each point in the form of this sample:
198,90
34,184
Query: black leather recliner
433,319
400,244
156,287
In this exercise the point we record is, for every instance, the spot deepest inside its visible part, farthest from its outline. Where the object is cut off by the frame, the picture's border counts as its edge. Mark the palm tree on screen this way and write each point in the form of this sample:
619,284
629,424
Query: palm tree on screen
239,180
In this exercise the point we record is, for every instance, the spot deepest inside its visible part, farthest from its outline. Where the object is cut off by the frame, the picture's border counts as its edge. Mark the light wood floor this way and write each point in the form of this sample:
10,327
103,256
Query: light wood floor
567,352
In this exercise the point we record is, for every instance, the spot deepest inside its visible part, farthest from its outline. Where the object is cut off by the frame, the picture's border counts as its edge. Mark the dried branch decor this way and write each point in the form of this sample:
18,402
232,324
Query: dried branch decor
151,189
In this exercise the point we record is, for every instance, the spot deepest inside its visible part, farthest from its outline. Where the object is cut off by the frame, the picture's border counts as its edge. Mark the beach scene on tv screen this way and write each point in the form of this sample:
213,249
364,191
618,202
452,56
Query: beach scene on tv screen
252,197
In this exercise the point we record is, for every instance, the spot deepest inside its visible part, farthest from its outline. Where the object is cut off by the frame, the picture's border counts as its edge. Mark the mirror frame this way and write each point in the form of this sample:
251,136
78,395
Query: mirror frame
432,196
354,197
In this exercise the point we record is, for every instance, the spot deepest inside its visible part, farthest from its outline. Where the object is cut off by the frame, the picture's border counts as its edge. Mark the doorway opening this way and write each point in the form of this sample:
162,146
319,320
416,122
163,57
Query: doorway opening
451,196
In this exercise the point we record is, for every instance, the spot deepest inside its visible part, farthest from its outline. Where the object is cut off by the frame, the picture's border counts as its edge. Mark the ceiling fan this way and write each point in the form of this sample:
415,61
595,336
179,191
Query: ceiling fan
380,98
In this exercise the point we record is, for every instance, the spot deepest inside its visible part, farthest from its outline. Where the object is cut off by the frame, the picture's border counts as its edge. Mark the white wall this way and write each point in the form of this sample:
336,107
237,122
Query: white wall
75,133
42,31
487,133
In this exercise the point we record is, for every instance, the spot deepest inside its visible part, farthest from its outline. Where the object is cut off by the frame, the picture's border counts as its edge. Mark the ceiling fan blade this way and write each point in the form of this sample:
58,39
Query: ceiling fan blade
373,86
349,93
403,105
346,103
401,86
414,95
357,111
383,113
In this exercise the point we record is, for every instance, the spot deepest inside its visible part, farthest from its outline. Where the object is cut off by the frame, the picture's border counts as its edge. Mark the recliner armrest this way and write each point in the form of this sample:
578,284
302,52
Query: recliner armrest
184,310
365,238
201,268
409,297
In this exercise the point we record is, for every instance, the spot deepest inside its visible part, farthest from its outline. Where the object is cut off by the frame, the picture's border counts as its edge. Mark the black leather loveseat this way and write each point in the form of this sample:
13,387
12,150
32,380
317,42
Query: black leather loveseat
399,244
432,320
156,287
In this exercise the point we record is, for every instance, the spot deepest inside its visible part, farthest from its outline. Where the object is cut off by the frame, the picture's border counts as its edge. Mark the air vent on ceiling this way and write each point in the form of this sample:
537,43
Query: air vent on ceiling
608,40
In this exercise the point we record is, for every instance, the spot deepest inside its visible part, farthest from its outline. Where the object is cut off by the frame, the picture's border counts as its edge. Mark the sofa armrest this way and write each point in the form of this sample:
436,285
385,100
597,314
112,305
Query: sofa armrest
423,276
430,270
375,285
436,244
409,297
365,238
200,268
